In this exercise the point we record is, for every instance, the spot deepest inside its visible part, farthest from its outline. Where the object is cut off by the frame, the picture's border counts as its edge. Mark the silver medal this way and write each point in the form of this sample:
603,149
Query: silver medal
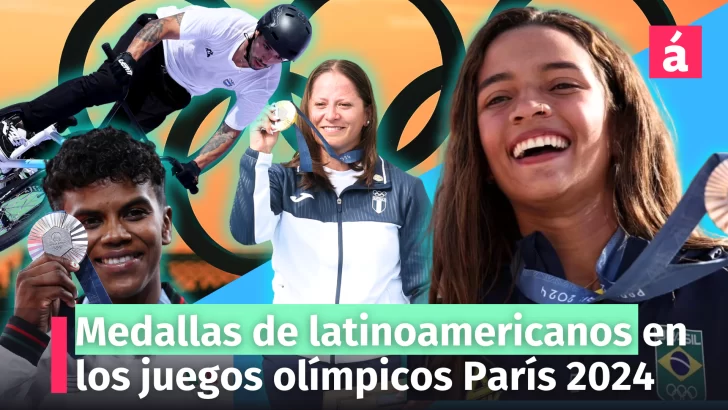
58,234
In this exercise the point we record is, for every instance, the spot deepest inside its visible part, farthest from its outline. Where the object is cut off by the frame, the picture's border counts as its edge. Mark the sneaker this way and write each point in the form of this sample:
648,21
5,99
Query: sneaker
12,135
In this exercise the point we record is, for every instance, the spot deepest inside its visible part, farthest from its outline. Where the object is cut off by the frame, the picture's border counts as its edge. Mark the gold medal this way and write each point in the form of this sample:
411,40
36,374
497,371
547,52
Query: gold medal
286,112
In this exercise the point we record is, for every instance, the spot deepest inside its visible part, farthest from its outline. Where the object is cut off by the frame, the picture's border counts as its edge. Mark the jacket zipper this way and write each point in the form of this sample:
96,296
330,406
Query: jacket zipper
341,258
341,251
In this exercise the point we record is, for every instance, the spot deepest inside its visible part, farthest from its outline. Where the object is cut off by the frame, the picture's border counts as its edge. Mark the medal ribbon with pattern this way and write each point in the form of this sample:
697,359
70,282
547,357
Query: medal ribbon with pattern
653,273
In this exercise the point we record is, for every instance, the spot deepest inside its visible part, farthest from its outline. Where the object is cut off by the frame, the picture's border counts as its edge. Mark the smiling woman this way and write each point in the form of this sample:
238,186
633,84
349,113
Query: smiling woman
541,116
559,166
341,232
114,185
562,140
122,207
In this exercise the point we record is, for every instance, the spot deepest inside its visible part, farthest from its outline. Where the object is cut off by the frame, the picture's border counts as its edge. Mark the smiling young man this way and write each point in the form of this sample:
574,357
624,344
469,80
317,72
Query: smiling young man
114,185
166,58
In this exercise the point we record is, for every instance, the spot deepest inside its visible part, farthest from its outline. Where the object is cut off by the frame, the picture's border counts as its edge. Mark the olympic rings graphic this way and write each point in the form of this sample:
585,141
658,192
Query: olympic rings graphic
680,392
393,122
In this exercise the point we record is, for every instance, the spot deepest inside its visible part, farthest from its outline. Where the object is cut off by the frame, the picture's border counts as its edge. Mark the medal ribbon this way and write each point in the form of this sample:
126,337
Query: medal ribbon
653,273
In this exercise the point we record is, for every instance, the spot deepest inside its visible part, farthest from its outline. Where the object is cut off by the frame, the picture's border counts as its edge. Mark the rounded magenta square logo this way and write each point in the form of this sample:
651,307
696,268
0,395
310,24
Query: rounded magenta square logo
676,51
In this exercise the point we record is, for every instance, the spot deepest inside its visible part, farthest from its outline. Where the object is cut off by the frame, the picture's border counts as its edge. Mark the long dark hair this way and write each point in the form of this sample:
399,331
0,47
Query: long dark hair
318,178
474,227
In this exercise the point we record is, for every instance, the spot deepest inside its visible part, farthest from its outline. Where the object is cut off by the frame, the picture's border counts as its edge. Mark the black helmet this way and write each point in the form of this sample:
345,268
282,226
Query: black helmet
287,30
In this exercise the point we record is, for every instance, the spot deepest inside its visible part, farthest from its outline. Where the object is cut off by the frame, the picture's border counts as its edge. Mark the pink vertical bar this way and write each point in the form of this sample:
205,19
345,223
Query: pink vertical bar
59,355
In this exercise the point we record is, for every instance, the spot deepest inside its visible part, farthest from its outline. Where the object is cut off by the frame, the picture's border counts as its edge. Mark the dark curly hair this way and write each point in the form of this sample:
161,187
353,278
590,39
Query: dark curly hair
105,154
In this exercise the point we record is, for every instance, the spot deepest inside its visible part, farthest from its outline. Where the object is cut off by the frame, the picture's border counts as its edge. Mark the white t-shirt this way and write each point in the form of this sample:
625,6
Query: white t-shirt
201,60
342,179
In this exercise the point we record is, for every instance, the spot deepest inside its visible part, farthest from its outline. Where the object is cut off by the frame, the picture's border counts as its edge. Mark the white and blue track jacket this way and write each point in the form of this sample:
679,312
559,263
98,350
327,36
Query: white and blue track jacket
366,246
